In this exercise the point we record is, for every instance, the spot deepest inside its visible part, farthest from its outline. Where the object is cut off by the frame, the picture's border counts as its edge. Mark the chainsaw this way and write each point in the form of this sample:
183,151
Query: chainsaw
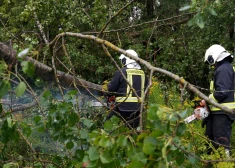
111,102
200,112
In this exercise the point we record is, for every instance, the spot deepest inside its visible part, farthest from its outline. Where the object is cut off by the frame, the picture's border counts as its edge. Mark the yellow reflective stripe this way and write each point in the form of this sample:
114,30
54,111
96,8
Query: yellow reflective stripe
130,73
129,79
128,99
211,96
229,105
234,80
212,86
142,85
135,71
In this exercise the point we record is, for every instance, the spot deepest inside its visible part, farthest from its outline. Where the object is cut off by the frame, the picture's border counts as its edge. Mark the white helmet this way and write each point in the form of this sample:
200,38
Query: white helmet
215,53
129,63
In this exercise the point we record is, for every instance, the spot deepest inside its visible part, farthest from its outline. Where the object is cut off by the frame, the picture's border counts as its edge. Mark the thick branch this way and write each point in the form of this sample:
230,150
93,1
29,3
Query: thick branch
45,72
148,65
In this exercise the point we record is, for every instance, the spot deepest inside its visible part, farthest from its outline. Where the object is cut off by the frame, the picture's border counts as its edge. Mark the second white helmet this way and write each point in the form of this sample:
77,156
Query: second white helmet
215,53
126,60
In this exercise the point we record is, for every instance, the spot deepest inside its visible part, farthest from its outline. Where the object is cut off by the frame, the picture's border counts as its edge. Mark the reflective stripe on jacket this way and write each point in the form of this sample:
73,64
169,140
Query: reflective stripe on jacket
126,99
130,96
229,105
223,86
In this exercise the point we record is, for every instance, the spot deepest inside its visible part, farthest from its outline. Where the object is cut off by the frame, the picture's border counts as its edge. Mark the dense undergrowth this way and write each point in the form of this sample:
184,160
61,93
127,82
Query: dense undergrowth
63,134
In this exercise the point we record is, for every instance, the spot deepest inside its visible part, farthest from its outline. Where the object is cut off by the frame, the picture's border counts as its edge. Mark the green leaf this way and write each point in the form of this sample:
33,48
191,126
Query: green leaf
152,112
173,118
140,157
79,154
122,141
57,159
192,159
10,165
191,22
88,123
142,136
200,22
72,92
157,133
163,112
37,119
73,119
3,66
4,87
84,133
180,159
149,145
20,89
115,120
69,95
94,135
41,128
28,68
93,153
180,129
26,129
135,164
9,122
194,2
212,11
105,141
108,125
183,114
69,145
47,94
106,157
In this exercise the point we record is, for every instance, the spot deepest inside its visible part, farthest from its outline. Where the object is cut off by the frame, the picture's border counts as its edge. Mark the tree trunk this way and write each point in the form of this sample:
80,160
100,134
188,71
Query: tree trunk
150,8
46,73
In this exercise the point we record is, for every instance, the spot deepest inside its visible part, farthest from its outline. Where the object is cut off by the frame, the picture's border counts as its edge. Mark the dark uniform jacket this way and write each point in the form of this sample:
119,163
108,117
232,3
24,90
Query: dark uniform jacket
224,81
118,87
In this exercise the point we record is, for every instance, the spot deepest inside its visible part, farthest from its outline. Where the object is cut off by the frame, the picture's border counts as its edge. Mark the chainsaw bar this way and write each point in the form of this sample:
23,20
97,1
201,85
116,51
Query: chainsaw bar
199,113
190,119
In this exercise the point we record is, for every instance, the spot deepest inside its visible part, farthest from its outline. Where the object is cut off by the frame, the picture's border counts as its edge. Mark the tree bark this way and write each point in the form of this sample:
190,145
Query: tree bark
46,73
150,8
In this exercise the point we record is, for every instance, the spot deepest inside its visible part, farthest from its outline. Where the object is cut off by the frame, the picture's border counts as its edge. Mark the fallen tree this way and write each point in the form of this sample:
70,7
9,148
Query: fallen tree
46,73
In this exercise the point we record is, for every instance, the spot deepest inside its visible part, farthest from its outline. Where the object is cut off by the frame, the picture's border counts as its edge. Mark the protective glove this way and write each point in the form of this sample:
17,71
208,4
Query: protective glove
105,85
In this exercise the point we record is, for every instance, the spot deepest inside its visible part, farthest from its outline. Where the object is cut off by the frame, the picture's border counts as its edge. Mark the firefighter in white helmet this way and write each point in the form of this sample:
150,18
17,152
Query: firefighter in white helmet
129,92
218,123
